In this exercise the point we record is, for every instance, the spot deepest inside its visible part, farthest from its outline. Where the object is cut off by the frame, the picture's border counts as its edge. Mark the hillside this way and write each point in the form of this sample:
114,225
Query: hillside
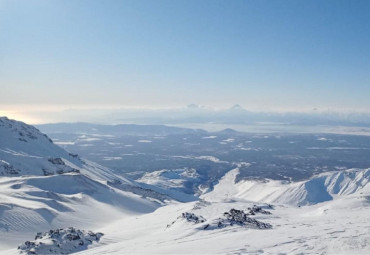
43,186
340,226
53,201
320,188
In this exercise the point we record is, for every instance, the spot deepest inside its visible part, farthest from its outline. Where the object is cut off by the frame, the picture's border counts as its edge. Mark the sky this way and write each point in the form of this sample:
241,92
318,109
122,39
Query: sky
264,55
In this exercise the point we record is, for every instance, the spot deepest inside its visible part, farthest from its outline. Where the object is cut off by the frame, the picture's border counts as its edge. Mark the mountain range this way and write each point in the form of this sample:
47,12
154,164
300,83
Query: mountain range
44,188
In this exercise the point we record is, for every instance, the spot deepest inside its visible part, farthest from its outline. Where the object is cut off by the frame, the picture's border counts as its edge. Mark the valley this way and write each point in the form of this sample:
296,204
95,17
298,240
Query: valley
207,200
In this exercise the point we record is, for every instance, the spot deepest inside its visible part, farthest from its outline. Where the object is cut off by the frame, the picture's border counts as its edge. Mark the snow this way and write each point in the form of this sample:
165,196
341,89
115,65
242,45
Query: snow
169,179
320,188
209,137
112,158
90,139
64,143
25,148
144,141
334,227
208,158
211,158
32,204
43,188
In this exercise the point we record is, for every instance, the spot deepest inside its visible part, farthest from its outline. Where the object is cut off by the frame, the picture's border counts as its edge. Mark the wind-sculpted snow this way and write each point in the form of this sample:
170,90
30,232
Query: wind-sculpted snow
38,203
59,241
42,186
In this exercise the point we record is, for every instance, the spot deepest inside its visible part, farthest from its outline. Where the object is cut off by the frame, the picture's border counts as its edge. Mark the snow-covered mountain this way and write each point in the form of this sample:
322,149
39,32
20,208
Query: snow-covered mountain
24,150
340,226
320,188
328,214
45,191
42,186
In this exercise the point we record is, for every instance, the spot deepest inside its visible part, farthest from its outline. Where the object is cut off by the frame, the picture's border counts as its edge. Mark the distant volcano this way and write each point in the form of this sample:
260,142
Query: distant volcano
237,107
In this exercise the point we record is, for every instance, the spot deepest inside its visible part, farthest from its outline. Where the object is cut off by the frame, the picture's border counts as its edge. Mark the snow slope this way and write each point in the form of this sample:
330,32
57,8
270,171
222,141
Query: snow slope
24,150
44,187
334,219
320,188
30,152
341,226
39,203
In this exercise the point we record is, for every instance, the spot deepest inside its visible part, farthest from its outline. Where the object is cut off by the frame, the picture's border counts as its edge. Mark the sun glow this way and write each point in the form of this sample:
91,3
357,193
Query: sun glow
19,116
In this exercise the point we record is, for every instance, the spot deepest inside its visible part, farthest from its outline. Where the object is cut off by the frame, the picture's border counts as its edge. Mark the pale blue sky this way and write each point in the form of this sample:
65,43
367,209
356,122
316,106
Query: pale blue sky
285,55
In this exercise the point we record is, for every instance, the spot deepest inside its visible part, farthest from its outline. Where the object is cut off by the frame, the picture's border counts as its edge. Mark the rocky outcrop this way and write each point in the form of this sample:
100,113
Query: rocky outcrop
7,169
241,218
191,217
59,241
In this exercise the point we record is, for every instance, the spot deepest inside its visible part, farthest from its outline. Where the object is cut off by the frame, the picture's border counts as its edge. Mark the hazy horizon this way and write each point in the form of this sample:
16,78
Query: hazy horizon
184,126
279,56
207,118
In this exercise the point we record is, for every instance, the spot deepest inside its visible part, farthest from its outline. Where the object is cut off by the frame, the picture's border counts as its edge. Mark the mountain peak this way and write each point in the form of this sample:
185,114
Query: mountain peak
228,131
193,106
237,107
20,131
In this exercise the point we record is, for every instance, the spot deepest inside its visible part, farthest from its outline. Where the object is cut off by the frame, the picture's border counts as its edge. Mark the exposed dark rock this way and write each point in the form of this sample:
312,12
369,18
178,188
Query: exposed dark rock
74,155
46,172
239,217
68,170
257,209
200,204
191,217
59,241
7,169
56,161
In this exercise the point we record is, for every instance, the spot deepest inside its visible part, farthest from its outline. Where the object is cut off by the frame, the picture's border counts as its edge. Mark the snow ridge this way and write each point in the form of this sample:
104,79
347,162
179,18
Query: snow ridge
320,188
42,187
